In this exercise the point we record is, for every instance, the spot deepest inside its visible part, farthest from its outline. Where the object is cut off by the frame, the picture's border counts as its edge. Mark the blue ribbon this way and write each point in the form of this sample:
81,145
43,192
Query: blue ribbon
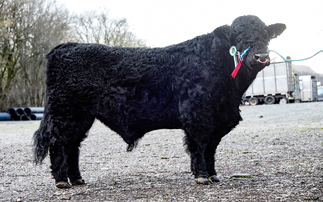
243,53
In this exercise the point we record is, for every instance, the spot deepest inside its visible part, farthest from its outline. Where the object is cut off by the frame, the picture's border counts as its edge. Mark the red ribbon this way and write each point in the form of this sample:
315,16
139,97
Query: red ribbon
235,71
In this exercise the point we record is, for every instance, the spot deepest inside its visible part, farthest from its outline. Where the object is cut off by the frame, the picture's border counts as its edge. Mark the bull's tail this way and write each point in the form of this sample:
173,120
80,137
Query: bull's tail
41,139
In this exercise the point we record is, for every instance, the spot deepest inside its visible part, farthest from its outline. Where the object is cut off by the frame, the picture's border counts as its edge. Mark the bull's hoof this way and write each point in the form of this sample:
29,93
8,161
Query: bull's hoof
63,185
78,182
202,180
214,178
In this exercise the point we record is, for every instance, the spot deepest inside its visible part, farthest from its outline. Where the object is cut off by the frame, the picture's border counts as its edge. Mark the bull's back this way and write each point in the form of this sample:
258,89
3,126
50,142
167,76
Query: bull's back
124,85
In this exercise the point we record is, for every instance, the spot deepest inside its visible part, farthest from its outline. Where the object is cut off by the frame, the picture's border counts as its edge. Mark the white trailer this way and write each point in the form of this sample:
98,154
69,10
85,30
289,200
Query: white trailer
274,83
308,88
320,93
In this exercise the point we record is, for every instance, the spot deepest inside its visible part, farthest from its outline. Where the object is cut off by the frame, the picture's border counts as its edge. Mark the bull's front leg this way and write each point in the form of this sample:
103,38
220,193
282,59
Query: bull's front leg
196,147
198,163
209,159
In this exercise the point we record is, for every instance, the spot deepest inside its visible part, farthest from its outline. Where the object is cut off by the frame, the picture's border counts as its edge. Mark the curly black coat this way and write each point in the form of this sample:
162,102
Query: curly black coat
185,86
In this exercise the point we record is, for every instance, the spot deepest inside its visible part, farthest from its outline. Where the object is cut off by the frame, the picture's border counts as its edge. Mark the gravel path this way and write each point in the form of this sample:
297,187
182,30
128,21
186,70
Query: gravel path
280,147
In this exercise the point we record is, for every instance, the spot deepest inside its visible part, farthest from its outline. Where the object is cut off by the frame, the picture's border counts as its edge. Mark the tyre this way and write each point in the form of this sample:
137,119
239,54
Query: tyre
253,101
283,101
269,100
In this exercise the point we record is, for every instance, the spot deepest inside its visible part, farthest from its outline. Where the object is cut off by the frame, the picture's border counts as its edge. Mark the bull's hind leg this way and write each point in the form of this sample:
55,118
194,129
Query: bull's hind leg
59,164
209,159
74,173
64,149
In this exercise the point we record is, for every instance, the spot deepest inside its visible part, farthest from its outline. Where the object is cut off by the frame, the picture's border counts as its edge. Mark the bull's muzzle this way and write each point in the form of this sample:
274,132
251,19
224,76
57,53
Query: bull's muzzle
262,58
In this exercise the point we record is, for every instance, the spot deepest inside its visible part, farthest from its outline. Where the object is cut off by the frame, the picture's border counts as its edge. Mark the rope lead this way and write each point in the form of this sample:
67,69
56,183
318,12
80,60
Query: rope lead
286,60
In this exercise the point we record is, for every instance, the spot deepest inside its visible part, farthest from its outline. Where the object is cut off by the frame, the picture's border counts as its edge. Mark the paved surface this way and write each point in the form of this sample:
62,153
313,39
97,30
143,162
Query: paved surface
280,147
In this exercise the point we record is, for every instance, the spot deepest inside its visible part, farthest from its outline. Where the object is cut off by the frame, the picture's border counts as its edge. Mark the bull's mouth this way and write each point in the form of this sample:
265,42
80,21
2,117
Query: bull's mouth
267,61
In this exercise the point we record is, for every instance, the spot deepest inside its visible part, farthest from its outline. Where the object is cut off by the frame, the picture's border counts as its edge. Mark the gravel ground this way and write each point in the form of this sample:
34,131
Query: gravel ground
280,147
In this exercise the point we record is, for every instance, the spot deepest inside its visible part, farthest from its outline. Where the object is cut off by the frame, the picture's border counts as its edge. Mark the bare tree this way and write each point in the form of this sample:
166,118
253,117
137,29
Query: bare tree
10,43
28,30
98,28
50,28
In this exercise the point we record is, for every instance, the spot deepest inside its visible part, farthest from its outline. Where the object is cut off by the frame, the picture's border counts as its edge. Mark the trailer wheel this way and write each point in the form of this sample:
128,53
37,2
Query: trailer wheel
283,101
253,101
269,100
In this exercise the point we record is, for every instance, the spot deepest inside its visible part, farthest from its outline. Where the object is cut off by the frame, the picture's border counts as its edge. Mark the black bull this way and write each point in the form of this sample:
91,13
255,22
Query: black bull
186,86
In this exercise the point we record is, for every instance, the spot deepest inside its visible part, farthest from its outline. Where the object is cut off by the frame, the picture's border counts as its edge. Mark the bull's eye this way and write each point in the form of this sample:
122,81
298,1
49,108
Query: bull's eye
238,40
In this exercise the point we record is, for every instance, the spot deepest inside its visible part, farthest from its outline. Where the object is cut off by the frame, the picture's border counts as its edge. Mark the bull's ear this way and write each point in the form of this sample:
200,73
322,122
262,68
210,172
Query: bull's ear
275,30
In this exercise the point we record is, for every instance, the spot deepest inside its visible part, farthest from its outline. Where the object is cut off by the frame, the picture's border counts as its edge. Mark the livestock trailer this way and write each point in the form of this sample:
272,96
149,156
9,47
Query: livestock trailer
308,88
320,93
275,83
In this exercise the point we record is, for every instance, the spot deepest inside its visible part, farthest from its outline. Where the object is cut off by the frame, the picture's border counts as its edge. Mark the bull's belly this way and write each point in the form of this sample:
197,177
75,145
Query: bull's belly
131,124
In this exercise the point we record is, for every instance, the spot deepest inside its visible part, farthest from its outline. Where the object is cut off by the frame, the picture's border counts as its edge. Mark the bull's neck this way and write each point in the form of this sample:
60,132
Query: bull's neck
243,79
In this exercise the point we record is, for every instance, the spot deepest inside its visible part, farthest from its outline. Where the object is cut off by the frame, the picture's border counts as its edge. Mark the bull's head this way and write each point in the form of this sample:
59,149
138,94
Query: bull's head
249,32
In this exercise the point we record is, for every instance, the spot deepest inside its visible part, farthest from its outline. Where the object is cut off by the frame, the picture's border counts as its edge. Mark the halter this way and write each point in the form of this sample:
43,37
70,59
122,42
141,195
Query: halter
237,56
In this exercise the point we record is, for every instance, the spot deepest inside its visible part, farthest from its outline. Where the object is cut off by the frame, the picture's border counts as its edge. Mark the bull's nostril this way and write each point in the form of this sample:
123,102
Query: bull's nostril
262,57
